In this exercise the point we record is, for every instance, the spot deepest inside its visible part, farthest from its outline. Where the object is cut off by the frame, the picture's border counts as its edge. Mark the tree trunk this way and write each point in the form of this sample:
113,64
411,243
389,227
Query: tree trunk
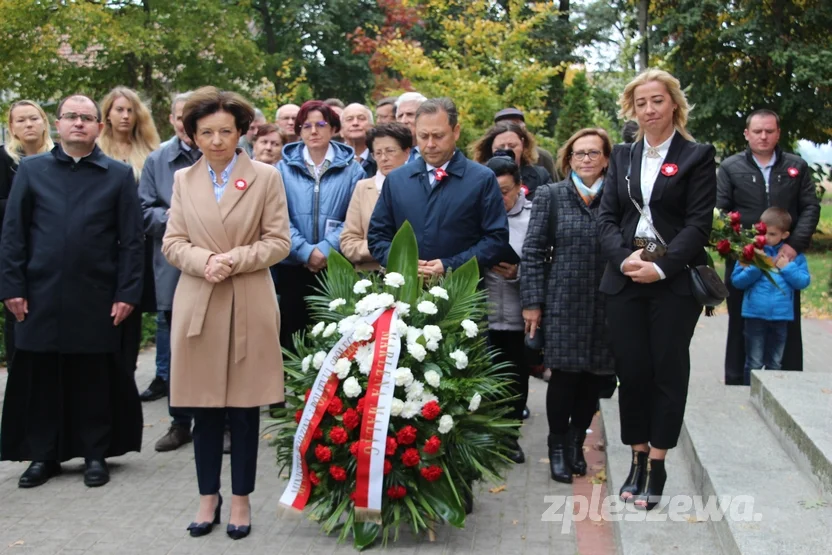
643,30
271,43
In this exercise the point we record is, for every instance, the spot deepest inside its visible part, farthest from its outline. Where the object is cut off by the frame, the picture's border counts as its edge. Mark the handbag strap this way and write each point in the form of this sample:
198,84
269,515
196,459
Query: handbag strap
636,204
553,221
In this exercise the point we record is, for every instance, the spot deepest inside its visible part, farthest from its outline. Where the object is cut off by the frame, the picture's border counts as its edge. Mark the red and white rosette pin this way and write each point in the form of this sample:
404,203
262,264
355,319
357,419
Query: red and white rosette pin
669,169
240,184
440,174
525,190
793,172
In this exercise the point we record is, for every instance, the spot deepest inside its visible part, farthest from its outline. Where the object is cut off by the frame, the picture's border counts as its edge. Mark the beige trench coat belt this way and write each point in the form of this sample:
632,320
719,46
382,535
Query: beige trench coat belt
240,320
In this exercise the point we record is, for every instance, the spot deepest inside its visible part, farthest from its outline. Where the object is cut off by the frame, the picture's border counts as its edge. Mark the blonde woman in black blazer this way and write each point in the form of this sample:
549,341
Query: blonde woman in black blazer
651,314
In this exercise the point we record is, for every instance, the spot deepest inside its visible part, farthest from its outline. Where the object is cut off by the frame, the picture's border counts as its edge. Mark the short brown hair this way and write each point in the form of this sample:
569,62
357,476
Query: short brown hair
777,217
565,152
210,100
484,147
268,129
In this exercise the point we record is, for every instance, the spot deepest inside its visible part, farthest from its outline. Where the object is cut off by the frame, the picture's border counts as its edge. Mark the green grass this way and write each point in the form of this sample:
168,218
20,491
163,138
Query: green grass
825,223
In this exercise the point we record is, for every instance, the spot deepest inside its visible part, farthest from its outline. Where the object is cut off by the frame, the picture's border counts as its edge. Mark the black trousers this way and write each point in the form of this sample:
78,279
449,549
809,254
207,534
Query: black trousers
572,397
512,348
8,335
294,284
735,346
209,426
650,329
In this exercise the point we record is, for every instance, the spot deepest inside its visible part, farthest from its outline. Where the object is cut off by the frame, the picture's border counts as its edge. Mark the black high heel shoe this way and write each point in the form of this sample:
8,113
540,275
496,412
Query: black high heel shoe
200,529
634,484
239,532
654,485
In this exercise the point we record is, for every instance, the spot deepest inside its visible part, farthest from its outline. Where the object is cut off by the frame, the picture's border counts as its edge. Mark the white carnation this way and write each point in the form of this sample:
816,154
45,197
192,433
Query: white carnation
427,398
410,409
333,306
342,368
360,287
362,332
401,328
460,358
317,329
396,407
417,351
439,293
373,302
404,308
413,334
432,346
470,327
304,365
432,333
433,378
446,423
403,377
427,307
346,325
475,402
330,329
415,390
318,360
364,358
352,388
394,280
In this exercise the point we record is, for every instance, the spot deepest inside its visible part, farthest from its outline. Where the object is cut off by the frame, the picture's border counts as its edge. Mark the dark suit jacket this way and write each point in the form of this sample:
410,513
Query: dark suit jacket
682,208
460,218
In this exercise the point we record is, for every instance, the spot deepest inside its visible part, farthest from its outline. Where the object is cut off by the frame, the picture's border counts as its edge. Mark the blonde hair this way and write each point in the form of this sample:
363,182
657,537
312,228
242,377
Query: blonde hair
674,89
14,148
565,152
144,137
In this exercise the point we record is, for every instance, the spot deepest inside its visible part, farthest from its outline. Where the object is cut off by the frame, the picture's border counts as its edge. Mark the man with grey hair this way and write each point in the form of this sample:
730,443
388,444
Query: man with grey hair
406,107
356,120
285,119
247,140
155,190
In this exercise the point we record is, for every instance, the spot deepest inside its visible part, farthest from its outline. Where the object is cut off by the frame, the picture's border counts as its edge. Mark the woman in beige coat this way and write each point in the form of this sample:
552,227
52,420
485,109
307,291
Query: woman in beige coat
228,224
390,145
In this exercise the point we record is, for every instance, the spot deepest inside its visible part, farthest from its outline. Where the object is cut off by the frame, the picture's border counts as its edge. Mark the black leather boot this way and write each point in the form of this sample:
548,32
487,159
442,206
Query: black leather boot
575,451
656,477
634,484
559,466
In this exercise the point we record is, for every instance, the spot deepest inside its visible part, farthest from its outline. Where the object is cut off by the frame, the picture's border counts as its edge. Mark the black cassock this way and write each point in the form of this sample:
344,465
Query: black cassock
72,245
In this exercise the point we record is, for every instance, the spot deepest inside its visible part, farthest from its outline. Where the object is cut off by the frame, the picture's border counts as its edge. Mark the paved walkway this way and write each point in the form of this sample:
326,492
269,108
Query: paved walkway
153,496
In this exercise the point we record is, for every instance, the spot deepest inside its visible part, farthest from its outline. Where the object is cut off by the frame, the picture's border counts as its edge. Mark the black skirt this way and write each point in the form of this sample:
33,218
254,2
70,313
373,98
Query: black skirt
62,406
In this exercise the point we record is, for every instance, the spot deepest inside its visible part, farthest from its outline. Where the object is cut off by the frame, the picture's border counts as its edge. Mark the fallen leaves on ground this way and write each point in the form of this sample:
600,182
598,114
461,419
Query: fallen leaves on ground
599,478
498,489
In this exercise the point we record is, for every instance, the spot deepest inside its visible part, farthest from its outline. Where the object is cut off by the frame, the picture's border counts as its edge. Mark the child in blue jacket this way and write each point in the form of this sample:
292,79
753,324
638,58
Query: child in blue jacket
767,308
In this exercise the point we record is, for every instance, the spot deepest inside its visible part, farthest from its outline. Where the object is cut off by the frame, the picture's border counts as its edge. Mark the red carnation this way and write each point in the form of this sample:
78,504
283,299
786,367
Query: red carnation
319,433
354,496
760,241
360,406
337,473
338,435
748,252
734,217
298,416
388,467
396,492
391,446
793,172
323,453
670,169
431,410
306,397
761,228
431,473
314,479
335,406
723,247
406,435
432,445
351,419
411,457
354,448
737,227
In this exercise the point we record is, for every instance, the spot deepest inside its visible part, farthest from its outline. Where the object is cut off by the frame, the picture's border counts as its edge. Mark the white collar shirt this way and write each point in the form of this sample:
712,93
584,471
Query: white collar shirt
319,169
432,172
650,167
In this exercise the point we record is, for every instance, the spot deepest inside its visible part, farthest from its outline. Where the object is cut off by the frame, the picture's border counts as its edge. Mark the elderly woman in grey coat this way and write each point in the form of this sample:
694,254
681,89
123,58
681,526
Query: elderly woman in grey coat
559,290
505,319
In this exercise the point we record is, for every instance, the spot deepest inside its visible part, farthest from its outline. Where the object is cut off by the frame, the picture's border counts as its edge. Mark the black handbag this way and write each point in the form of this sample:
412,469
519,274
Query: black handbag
705,284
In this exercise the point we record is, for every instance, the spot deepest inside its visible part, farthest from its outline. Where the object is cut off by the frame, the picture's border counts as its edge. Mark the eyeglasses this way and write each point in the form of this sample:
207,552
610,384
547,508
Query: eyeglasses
72,116
386,153
319,124
580,155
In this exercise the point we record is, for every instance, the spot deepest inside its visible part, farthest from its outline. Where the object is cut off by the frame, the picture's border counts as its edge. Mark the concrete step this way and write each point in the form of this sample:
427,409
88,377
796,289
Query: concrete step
798,408
775,508
654,532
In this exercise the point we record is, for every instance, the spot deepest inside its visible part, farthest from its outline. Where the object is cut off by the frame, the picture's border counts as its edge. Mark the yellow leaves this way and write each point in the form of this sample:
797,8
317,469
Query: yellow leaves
498,489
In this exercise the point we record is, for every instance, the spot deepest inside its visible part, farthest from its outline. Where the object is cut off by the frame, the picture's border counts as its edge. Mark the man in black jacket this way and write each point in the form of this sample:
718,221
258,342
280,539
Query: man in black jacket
72,261
748,183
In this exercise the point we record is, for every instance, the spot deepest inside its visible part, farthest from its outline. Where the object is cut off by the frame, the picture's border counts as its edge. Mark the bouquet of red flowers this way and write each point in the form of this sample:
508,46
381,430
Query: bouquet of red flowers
393,403
733,242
